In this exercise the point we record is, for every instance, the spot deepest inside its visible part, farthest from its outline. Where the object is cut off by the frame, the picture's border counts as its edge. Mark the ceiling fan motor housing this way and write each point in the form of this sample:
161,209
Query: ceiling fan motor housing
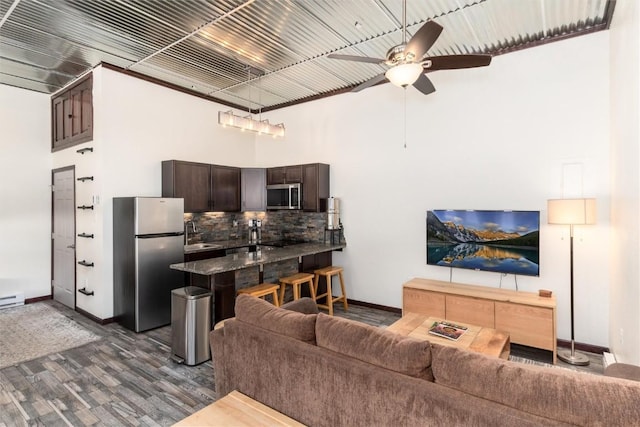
396,55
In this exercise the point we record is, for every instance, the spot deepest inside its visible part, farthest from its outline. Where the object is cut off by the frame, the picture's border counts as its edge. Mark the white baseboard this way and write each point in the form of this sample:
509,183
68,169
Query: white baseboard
608,359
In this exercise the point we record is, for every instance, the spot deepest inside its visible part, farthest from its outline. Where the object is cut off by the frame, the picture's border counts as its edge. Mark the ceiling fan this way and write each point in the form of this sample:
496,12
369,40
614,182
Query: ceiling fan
407,61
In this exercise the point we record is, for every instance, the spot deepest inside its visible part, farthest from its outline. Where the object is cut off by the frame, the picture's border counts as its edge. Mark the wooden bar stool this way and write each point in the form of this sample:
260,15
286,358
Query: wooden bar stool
296,280
262,290
328,273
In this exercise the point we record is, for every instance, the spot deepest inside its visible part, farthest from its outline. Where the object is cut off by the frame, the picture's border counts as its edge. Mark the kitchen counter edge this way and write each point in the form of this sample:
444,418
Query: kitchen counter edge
208,267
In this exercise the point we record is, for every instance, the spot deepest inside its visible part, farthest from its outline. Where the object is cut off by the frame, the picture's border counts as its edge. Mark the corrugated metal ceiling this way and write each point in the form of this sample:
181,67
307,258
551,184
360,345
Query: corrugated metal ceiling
206,46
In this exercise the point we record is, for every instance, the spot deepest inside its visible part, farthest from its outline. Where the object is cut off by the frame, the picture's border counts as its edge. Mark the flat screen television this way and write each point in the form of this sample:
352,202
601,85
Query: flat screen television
500,241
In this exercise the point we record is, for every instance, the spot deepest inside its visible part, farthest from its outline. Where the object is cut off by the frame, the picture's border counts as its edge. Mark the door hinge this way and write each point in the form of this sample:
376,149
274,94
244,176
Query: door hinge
53,188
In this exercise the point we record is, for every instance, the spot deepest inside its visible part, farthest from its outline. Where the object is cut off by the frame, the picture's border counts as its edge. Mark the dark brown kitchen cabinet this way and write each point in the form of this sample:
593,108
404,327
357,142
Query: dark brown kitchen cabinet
72,115
254,193
315,187
189,180
204,187
284,175
225,188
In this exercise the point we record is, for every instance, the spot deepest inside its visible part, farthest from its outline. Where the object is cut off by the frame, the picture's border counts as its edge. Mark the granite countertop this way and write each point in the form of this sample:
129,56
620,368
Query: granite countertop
208,267
218,244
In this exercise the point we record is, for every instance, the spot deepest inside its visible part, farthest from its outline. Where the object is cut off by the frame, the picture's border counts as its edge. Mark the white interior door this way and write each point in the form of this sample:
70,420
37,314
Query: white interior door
64,252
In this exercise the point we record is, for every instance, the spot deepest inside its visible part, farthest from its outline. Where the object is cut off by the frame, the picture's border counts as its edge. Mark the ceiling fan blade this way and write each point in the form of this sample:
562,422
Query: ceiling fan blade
356,58
424,85
452,62
371,82
423,39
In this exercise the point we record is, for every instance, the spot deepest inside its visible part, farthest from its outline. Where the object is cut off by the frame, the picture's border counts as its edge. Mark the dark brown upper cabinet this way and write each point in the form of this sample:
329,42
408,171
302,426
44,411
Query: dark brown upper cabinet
189,180
204,187
284,175
315,187
72,115
225,188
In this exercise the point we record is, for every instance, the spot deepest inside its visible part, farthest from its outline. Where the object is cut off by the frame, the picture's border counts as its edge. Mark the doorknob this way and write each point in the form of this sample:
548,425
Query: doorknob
71,246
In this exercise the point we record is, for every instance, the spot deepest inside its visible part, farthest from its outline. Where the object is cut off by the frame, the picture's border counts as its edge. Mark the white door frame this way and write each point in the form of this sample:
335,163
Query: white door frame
64,265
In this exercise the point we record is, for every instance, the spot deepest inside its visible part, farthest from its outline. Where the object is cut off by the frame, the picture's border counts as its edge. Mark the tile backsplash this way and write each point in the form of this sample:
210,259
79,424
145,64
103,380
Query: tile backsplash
276,225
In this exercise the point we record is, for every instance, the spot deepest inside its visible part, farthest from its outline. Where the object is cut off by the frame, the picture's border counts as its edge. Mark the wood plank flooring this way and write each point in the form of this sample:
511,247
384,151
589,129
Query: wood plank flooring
126,378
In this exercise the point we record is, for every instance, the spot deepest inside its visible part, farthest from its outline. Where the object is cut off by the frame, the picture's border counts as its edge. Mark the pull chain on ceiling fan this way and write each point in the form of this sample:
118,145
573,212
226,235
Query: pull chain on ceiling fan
408,62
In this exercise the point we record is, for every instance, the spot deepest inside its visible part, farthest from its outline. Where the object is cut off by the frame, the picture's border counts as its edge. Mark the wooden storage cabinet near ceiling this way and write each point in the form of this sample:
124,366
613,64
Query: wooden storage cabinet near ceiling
528,318
72,115
204,187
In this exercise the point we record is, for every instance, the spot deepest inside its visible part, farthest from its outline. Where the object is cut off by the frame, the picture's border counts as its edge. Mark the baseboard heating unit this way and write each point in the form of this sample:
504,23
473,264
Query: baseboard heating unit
13,300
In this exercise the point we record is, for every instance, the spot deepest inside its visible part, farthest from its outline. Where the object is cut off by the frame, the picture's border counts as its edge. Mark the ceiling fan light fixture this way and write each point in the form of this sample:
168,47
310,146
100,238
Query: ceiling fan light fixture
404,74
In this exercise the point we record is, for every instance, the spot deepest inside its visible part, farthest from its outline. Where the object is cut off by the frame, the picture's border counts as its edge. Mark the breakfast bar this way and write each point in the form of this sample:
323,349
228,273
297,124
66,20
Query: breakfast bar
219,274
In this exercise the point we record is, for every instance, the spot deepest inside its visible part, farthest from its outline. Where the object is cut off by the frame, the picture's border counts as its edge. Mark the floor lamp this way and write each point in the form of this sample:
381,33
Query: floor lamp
572,212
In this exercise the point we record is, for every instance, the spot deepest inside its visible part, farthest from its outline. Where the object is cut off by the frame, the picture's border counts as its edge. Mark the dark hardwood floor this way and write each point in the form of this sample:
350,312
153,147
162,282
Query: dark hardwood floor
129,379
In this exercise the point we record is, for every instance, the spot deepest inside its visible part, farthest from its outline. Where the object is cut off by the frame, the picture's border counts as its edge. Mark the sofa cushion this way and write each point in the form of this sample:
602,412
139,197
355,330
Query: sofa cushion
376,346
265,315
560,394
302,305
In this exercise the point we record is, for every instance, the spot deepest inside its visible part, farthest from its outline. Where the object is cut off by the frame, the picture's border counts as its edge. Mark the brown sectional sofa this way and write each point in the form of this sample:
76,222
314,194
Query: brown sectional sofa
329,371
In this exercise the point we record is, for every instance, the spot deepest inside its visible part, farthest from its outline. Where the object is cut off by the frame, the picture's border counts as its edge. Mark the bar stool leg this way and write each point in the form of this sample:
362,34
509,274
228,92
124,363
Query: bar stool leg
296,291
312,289
282,289
276,300
329,295
344,294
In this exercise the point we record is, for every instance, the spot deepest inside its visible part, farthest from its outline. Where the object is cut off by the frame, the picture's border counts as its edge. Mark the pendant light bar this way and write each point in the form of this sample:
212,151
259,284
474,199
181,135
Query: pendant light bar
262,127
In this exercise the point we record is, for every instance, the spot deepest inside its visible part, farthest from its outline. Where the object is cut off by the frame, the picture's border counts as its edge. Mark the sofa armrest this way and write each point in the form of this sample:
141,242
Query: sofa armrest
623,370
218,348
304,305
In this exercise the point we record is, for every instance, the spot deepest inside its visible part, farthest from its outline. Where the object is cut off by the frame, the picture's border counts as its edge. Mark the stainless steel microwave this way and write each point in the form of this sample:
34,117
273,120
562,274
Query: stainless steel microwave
284,196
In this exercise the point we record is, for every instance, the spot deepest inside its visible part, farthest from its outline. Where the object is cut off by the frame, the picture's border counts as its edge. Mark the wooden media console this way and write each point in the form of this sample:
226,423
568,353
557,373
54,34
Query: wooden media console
528,318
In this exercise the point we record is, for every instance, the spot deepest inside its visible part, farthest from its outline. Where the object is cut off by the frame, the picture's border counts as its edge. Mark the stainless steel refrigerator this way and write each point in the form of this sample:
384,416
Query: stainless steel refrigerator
148,236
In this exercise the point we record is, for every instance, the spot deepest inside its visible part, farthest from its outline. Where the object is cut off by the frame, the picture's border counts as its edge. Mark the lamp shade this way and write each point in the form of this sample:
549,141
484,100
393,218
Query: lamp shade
404,74
571,211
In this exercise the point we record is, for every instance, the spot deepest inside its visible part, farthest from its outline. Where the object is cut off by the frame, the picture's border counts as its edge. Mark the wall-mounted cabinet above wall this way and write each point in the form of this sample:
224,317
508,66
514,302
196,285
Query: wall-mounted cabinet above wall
204,187
72,115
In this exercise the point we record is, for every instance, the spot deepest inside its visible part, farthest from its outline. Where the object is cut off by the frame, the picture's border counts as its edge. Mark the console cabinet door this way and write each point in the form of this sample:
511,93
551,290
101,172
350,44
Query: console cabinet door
189,180
225,188
528,325
474,311
431,304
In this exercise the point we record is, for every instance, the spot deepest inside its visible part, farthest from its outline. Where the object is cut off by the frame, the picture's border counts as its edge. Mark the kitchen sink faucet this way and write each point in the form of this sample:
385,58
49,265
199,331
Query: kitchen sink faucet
186,230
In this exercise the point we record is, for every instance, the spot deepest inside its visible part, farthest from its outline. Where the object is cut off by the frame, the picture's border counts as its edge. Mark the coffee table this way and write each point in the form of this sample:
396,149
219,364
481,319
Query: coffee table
237,409
481,340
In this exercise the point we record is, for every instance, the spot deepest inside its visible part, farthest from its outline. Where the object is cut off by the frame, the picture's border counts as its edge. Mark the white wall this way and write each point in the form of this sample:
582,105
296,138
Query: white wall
625,189
25,193
137,125
492,138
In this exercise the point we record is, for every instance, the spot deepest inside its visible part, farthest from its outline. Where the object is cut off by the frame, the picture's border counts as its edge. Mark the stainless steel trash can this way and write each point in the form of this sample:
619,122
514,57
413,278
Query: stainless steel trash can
190,325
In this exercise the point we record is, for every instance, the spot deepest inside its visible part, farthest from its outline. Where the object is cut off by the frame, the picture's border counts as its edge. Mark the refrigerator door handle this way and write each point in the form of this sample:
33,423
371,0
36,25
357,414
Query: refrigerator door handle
153,236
